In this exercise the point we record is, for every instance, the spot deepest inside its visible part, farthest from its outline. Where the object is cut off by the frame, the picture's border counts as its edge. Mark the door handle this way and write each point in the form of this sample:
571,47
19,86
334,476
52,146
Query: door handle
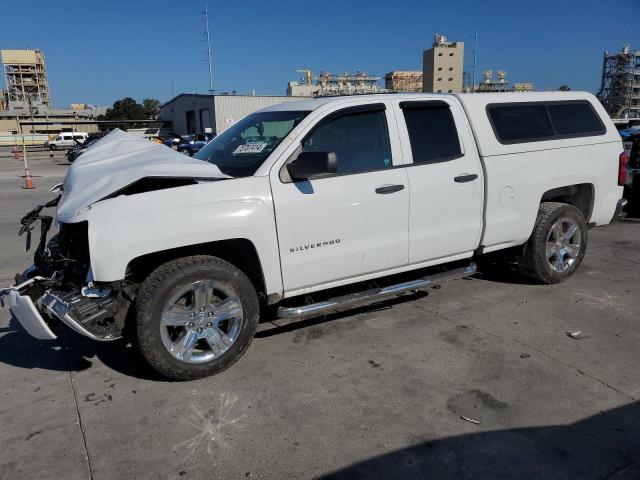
386,189
465,177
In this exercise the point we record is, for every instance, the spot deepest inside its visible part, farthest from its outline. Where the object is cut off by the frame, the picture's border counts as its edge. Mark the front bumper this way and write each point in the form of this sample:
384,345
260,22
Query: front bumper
85,315
29,317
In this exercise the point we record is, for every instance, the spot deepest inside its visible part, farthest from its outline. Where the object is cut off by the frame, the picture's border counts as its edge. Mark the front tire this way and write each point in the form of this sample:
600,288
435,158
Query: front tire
557,245
53,147
196,316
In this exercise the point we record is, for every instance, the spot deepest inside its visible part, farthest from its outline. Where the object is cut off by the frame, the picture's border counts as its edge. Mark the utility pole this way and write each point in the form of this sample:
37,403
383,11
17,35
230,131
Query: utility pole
206,19
475,59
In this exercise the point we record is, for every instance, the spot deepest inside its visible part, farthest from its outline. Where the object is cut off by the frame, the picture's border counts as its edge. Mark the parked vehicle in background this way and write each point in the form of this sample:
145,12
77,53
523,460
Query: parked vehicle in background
80,147
172,140
73,153
632,185
155,132
194,143
630,132
66,140
315,206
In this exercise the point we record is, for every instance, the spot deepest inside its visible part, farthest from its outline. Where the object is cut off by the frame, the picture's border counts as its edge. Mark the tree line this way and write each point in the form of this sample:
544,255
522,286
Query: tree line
129,109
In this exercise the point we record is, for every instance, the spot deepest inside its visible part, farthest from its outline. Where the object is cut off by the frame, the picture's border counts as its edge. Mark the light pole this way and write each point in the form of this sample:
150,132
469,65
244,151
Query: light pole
475,59
206,19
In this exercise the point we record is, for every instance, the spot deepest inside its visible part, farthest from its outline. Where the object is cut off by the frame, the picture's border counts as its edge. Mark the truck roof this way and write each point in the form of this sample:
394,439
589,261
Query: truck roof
475,105
308,104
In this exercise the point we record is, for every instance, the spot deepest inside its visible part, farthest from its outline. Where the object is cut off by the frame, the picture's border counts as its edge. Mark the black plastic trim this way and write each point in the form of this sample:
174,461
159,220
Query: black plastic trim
387,189
469,177
409,104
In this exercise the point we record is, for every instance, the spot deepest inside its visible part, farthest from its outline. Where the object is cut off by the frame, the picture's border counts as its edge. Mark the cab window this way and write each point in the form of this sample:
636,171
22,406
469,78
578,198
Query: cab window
242,148
432,132
360,140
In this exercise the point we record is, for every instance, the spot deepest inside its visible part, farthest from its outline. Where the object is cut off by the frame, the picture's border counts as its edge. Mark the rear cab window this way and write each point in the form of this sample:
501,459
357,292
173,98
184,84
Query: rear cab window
432,131
540,121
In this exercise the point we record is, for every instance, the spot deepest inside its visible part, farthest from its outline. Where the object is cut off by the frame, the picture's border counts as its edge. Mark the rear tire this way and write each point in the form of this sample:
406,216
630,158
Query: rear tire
557,245
196,316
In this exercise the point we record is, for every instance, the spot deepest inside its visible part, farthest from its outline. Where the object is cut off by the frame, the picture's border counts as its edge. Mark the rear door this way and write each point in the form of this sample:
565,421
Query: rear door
352,223
445,179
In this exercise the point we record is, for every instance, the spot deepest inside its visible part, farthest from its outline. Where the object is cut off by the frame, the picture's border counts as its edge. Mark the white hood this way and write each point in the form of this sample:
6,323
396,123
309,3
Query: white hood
118,160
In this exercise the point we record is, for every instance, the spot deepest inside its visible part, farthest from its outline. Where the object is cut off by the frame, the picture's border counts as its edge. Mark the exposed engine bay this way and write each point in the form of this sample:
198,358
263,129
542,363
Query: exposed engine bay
60,280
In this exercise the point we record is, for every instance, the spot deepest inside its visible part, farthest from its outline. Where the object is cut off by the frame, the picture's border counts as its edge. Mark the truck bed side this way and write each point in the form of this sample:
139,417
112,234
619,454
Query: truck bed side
520,175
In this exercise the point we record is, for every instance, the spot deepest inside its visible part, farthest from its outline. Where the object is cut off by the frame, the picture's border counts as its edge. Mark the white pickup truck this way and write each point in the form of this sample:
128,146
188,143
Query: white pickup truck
313,206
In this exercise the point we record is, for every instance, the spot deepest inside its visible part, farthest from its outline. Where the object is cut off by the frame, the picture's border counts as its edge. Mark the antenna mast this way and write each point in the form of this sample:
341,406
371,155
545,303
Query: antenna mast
206,18
475,59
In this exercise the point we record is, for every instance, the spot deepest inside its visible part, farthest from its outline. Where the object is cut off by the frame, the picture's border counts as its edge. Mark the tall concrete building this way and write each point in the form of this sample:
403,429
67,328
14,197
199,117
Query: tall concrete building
442,66
25,76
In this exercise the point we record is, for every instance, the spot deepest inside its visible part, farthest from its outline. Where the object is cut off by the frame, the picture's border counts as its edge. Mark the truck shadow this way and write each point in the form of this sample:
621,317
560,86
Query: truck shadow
75,353
606,445
70,352
496,270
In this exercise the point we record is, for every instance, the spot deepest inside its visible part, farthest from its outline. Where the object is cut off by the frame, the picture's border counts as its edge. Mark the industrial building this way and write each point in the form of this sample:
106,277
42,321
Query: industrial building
25,75
201,113
327,83
499,83
403,81
10,120
26,98
442,66
523,87
620,85
491,84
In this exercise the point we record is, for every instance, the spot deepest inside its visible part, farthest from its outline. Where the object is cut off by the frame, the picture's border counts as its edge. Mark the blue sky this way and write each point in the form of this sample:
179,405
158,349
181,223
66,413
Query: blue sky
101,50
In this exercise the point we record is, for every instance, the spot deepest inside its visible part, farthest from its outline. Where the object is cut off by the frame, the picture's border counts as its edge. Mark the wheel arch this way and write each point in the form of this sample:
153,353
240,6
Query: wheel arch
240,252
579,195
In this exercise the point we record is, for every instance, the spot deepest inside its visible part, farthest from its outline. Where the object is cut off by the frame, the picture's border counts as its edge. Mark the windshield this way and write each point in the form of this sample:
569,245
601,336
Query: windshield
241,149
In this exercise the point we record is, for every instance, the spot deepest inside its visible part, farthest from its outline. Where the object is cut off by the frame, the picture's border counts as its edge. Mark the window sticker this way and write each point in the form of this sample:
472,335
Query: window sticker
251,147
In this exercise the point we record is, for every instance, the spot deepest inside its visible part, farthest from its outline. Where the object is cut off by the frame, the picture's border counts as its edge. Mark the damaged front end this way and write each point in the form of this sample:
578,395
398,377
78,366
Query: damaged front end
59,286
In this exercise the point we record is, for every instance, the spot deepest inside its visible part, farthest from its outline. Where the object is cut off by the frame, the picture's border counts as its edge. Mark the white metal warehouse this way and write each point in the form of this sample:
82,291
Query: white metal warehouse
196,112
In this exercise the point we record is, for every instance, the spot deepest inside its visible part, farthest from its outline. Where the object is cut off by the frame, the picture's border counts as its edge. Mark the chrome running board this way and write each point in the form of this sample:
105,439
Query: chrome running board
373,295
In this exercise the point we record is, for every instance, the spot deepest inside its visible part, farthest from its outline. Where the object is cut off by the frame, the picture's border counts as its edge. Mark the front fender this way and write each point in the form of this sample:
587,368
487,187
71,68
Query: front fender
127,227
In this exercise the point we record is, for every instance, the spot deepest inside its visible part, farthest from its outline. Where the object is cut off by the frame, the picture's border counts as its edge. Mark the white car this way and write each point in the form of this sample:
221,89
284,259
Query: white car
67,140
301,204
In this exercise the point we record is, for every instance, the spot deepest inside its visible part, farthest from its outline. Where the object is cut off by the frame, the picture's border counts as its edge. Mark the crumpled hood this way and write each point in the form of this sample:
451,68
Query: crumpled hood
118,160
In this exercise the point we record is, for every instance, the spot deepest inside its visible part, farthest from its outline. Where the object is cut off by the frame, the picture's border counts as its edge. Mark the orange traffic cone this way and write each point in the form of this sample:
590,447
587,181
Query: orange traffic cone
15,153
28,183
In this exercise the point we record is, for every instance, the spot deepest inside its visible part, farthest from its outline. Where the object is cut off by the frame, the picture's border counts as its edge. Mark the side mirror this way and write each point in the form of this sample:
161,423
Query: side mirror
310,165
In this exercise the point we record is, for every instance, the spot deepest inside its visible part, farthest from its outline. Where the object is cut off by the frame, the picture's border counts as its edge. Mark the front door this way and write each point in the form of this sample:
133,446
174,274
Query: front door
351,223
